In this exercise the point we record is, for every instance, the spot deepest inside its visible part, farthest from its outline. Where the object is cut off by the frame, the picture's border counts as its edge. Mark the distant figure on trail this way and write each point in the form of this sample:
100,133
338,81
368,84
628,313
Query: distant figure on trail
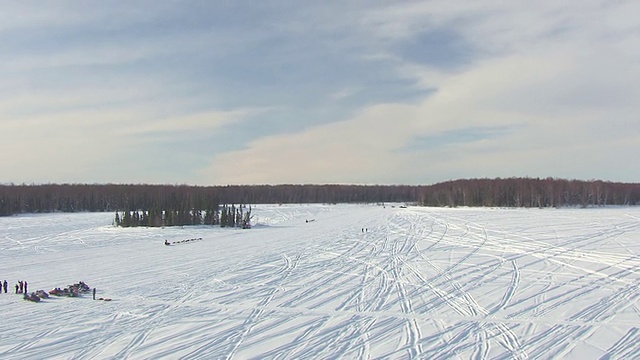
21,286
4,285
166,242
17,287
25,287
94,292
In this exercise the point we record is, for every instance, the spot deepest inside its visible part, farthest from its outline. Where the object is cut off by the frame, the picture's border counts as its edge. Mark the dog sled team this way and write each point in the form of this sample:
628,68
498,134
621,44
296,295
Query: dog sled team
181,241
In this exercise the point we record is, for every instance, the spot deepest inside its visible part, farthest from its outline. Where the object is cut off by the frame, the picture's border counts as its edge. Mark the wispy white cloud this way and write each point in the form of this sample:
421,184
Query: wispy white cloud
345,93
206,121
358,150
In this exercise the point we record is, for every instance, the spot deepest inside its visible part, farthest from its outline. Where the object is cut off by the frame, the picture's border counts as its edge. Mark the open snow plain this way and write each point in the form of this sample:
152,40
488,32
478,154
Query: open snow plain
418,283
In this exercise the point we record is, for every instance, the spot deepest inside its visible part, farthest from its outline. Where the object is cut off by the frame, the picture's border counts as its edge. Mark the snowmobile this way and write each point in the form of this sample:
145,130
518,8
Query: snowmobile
32,297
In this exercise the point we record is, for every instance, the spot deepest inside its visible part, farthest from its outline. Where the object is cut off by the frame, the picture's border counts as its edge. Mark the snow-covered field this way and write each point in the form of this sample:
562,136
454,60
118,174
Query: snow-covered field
358,282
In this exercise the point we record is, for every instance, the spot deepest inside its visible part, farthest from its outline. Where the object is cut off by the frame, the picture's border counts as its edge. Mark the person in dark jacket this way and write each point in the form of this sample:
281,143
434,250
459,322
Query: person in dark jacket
4,285
25,287
94,293
17,287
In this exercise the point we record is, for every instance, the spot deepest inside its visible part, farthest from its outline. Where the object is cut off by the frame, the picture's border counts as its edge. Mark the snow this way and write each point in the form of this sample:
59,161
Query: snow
360,281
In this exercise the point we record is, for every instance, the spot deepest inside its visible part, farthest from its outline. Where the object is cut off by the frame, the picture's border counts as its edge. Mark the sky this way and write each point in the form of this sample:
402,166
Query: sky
302,92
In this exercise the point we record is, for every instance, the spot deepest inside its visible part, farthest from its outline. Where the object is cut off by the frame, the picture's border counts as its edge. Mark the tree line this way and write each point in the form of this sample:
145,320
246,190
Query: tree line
530,192
15,199
181,200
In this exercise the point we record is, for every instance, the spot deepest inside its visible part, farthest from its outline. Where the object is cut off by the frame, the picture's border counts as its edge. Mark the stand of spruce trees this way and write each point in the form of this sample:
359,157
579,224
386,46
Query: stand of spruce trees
225,216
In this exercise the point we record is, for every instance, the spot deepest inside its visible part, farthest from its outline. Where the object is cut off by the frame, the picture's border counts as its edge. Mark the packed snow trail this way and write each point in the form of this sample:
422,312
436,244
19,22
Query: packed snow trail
330,281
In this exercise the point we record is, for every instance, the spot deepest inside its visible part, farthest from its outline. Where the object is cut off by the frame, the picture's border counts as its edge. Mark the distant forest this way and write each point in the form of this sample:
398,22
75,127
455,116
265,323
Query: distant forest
530,192
510,192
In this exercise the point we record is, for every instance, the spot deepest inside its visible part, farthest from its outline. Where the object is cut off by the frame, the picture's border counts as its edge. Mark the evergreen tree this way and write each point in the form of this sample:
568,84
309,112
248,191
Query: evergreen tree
126,219
246,221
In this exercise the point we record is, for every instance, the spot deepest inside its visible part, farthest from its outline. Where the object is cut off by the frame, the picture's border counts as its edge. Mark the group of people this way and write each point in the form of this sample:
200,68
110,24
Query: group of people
21,286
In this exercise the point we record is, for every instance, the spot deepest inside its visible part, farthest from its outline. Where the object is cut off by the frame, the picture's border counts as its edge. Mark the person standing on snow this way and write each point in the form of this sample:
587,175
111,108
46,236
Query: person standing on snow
94,293
4,285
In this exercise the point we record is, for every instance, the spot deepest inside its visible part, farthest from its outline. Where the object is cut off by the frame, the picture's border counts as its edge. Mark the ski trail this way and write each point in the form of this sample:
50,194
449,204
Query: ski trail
626,347
505,336
511,290
152,322
412,329
256,314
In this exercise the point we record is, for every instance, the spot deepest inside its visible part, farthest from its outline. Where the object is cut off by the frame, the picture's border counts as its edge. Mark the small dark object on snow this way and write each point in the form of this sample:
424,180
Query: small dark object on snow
32,297
57,291
72,290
